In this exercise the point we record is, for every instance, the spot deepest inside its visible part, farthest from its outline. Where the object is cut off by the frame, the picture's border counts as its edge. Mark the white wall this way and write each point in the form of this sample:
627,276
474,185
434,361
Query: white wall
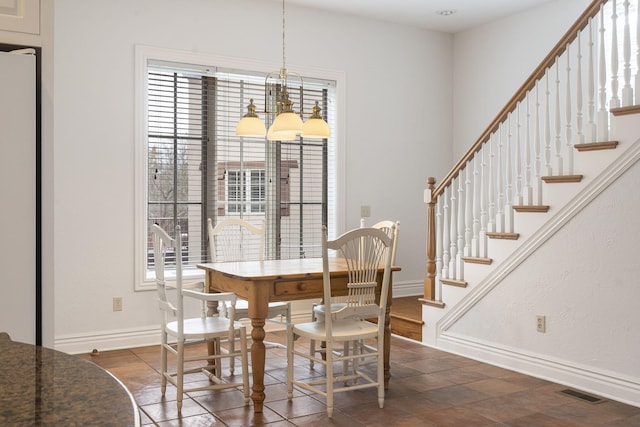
492,61
397,132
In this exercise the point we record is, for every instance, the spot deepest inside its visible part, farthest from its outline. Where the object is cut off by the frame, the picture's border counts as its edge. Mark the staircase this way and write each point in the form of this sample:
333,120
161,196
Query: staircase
515,230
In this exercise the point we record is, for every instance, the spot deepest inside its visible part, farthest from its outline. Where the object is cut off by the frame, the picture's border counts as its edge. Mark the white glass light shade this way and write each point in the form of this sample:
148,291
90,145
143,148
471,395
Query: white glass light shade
251,127
288,122
282,135
315,128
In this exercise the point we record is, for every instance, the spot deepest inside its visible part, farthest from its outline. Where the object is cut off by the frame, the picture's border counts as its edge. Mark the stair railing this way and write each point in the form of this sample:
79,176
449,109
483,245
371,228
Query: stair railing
532,140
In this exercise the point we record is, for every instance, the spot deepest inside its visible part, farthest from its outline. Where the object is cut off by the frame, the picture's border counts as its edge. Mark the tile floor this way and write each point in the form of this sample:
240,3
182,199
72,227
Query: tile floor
428,388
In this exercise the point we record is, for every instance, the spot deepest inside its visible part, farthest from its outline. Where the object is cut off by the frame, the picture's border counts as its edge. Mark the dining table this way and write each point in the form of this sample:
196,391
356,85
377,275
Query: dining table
262,282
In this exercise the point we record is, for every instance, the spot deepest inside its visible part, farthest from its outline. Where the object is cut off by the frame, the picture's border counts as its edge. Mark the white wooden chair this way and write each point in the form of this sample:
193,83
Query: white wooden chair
365,251
177,334
238,240
392,228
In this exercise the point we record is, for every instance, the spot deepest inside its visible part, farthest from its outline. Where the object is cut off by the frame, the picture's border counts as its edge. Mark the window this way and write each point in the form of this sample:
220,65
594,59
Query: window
196,168
246,191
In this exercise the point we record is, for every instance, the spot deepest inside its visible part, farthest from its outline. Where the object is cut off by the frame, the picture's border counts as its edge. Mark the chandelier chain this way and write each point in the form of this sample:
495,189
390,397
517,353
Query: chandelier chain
283,38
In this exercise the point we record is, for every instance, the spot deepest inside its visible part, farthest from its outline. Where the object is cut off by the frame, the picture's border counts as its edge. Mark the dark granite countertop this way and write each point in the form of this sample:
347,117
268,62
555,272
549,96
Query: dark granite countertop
44,387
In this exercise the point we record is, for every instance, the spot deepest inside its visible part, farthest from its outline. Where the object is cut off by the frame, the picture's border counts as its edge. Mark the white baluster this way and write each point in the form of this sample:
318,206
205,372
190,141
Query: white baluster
518,159
603,112
615,101
569,133
579,139
558,125
508,206
491,196
590,131
446,232
440,245
537,145
627,90
468,209
500,185
461,216
637,88
484,181
477,191
547,125
453,224
528,189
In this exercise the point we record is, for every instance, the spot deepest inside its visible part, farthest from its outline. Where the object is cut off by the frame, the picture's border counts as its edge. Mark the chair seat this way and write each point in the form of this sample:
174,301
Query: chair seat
341,330
209,327
322,309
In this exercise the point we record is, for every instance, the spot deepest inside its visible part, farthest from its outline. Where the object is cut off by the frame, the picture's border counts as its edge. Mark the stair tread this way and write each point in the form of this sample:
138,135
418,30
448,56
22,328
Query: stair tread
531,208
407,319
561,178
504,236
477,260
593,146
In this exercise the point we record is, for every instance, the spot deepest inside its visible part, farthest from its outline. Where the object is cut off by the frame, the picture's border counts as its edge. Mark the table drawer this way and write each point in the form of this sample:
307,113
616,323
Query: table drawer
298,287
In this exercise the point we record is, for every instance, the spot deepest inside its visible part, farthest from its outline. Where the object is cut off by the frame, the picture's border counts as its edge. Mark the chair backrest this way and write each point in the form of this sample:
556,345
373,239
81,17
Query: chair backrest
166,251
365,250
387,227
236,240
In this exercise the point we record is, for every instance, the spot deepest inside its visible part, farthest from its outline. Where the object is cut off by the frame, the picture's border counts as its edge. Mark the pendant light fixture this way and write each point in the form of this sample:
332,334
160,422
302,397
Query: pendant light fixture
287,124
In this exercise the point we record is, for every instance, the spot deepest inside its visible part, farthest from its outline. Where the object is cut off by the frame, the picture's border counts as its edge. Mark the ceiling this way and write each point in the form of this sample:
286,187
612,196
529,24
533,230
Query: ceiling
426,13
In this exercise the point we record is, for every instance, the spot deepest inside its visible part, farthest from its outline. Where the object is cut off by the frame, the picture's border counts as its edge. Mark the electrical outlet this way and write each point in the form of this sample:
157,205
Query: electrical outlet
541,323
117,303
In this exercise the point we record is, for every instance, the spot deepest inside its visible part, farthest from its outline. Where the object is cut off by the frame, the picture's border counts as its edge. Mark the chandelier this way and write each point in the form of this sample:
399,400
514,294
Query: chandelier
287,124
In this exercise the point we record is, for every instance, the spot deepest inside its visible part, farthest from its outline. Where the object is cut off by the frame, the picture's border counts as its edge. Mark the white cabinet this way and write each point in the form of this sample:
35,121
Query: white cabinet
18,196
22,16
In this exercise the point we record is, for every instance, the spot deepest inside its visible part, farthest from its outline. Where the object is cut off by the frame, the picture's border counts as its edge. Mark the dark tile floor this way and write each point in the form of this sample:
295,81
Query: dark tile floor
428,388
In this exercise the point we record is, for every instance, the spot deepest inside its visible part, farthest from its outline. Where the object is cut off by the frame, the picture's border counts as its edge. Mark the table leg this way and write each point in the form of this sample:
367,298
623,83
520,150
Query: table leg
258,308
258,355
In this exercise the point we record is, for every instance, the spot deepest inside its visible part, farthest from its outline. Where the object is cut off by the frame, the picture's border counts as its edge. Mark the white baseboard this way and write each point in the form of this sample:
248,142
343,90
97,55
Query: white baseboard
140,337
604,384
407,289
108,340
150,335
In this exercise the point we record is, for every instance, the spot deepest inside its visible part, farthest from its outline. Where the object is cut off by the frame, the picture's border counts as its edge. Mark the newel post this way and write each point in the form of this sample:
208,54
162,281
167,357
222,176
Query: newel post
430,280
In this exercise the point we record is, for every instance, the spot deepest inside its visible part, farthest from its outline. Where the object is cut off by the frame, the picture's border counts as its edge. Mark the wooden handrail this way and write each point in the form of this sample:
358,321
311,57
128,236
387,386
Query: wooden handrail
528,85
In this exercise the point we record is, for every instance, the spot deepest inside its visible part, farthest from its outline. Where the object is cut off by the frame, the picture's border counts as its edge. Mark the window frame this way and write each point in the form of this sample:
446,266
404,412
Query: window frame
144,55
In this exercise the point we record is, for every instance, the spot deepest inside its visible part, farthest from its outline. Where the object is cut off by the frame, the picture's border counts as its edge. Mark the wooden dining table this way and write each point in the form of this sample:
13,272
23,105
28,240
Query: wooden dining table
261,282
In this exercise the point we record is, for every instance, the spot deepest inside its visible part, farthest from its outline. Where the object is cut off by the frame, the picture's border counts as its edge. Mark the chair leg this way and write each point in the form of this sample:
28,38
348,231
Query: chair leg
312,343
232,361
180,375
380,362
345,363
290,345
245,365
312,351
329,376
163,363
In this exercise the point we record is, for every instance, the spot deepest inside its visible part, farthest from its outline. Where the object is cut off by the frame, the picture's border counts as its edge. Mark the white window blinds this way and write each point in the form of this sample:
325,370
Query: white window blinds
199,169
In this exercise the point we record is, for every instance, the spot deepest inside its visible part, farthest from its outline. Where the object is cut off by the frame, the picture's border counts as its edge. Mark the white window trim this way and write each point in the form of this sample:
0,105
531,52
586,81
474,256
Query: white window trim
145,54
